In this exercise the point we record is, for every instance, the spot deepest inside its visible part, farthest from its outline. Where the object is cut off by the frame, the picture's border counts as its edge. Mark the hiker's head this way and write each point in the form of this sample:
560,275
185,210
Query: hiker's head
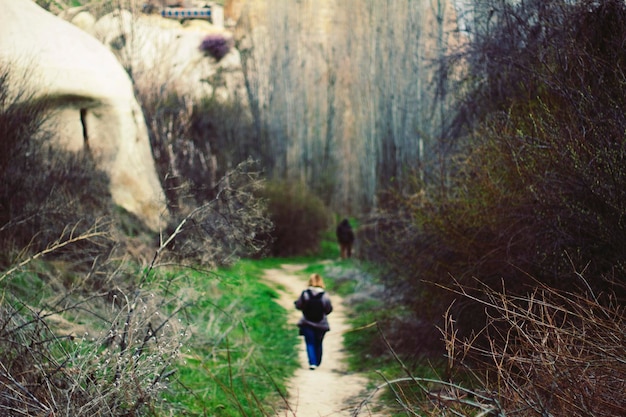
315,280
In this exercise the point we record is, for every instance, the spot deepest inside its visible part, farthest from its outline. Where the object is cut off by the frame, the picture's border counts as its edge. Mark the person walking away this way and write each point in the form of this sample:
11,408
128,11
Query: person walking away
315,306
345,237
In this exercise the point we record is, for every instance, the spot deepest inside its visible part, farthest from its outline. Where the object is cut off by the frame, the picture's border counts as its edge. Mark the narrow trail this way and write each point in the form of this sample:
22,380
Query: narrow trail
329,390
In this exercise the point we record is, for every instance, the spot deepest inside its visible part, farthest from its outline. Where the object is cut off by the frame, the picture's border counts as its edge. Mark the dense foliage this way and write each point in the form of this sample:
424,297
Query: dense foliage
517,254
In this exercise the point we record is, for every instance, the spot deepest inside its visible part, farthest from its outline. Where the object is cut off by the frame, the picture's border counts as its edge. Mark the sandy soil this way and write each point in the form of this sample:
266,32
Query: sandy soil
329,390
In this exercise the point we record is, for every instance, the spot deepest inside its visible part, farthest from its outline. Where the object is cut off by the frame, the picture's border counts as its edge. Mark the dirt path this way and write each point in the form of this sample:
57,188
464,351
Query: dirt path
329,390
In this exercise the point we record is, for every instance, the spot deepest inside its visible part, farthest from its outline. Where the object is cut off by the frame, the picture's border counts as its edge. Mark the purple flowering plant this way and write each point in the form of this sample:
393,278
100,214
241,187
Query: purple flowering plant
215,45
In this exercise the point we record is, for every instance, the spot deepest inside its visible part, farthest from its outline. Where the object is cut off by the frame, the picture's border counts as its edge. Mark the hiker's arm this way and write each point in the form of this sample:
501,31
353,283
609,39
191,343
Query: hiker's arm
299,303
328,306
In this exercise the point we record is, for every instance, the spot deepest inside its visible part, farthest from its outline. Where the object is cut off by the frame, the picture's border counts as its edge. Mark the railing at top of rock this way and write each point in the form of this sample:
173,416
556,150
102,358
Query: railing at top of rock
181,13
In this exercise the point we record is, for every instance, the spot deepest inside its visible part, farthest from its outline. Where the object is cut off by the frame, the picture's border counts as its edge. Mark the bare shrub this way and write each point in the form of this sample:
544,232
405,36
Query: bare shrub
227,128
168,117
195,143
233,224
551,352
116,363
548,353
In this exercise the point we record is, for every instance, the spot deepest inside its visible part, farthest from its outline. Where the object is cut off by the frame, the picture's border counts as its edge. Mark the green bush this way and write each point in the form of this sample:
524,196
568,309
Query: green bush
299,217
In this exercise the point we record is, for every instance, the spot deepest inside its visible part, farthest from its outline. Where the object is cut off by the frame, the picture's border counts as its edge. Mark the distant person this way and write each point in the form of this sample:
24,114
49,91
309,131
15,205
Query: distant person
345,237
315,306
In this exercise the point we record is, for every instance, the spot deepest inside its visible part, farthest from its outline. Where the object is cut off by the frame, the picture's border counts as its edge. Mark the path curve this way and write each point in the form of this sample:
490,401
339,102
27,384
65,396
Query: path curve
330,390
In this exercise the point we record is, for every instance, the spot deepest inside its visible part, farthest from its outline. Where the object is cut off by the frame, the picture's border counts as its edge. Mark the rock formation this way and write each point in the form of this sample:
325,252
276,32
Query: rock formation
164,55
93,97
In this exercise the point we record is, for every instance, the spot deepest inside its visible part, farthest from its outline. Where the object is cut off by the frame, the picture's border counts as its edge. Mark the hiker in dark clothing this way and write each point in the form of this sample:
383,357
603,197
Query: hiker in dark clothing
315,306
345,237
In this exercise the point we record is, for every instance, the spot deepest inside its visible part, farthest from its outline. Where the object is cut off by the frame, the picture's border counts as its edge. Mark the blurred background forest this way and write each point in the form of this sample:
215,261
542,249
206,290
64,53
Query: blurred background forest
350,97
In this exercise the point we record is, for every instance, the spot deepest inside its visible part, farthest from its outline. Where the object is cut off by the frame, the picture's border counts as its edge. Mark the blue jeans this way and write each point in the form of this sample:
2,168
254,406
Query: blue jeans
313,338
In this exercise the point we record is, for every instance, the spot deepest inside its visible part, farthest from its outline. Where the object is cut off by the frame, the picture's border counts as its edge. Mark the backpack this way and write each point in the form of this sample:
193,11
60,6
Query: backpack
314,307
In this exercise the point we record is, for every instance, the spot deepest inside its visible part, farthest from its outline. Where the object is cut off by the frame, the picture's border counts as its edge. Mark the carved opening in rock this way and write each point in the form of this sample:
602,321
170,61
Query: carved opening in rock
83,122
118,43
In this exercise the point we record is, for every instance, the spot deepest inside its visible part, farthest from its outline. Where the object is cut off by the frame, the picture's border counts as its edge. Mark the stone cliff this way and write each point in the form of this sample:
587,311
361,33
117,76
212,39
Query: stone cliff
94,102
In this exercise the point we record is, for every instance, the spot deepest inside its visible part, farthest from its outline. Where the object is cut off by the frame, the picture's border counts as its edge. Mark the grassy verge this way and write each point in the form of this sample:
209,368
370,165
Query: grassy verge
241,350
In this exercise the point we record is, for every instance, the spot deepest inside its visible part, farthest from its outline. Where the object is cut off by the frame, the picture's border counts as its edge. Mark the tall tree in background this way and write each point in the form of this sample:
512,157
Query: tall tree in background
348,93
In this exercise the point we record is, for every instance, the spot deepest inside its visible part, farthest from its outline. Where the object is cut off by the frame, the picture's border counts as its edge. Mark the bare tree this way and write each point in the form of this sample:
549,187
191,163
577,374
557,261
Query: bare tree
347,93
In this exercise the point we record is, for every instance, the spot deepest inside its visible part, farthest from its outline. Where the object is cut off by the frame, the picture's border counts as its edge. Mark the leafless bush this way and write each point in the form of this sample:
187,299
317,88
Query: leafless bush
73,348
195,143
415,395
549,353
68,350
118,372
232,224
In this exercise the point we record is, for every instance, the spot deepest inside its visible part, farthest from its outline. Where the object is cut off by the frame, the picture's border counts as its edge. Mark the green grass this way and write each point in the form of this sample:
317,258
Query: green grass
28,287
241,350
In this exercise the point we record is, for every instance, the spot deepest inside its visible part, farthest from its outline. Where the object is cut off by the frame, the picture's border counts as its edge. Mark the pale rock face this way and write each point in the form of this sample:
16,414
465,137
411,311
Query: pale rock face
84,20
94,99
165,56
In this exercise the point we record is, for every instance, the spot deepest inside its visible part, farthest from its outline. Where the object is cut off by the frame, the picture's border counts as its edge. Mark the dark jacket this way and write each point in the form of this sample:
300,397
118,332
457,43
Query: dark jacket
328,308
345,235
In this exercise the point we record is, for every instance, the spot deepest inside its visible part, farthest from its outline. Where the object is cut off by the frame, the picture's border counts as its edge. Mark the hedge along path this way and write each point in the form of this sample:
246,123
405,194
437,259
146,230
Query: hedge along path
329,390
